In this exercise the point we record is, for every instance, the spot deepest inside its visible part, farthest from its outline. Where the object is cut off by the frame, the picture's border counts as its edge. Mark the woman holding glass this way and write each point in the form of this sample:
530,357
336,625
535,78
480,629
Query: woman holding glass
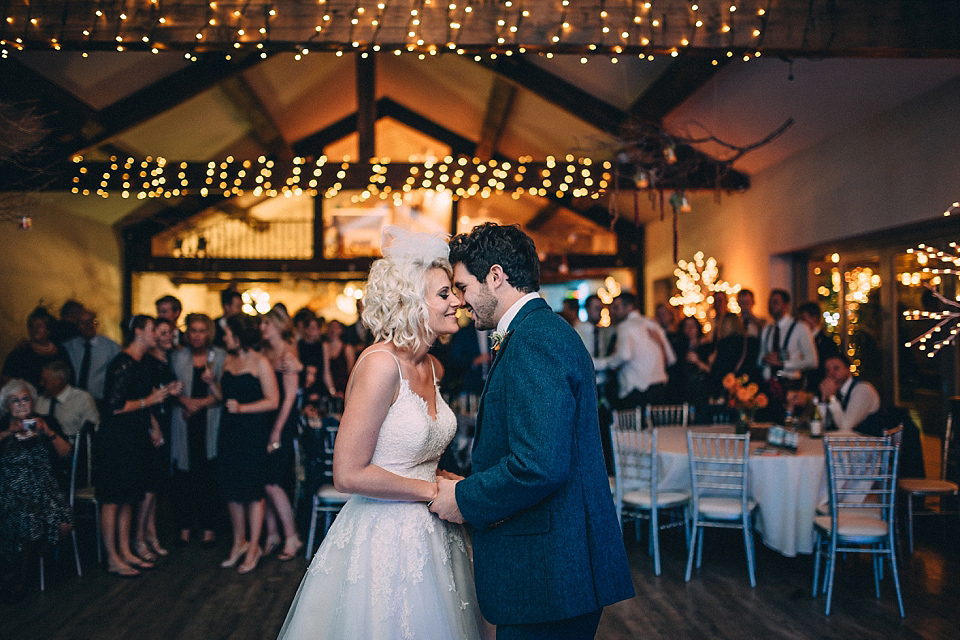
193,432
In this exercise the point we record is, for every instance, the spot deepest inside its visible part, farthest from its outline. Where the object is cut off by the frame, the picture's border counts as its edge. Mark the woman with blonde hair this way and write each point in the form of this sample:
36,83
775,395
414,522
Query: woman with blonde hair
388,568
276,328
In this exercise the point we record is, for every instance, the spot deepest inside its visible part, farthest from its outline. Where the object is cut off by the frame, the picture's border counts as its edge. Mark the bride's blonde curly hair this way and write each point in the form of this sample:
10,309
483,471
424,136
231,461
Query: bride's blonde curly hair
394,304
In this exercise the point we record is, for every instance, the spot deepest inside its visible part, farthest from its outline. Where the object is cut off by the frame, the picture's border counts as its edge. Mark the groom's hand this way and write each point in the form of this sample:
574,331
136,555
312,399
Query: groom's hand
445,504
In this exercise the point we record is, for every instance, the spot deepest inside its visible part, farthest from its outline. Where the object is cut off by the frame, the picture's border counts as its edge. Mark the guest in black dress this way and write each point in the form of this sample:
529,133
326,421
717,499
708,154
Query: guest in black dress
193,437
277,332
691,371
248,389
126,430
29,357
338,359
157,469
34,511
737,353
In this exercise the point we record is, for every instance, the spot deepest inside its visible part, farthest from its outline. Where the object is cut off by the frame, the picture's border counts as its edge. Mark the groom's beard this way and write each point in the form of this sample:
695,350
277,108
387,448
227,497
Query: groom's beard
484,311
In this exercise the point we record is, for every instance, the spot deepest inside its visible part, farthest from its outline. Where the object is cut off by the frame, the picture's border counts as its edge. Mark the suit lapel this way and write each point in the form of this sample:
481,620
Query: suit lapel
519,318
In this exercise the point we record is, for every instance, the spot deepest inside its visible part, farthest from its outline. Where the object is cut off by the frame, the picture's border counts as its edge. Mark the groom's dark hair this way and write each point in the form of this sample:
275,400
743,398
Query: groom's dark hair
506,245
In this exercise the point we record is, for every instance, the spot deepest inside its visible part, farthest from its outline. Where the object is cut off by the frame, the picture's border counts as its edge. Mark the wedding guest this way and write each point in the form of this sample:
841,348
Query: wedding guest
194,426
90,354
126,430
665,317
277,332
737,353
68,325
850,401
28,358
571,311
157,457
248,390
71,407
358,335
598,340
169,308
640,358
809,314
232,303
300,320
310,351
468,360
752,324
338,359
786,351
34,512
720,308
690,374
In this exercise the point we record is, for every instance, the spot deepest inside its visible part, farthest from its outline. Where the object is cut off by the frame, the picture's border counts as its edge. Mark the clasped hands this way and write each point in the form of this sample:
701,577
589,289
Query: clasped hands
445,504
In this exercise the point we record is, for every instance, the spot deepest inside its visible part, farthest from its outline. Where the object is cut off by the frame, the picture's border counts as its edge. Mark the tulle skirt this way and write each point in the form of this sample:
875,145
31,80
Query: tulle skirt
387,570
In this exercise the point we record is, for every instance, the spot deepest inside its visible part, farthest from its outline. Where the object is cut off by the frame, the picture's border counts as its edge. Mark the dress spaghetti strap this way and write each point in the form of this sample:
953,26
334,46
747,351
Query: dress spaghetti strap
395,358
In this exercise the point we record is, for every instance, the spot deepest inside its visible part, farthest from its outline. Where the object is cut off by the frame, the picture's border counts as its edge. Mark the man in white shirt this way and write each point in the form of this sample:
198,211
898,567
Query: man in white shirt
752,325
786,346
71,407
90,354
595,338
641,356
849,400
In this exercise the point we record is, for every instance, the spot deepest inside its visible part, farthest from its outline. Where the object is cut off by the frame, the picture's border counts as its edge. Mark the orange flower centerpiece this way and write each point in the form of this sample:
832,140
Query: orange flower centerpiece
745,397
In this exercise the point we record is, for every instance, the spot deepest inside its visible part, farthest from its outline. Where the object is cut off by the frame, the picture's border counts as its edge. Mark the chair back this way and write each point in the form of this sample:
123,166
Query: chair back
894,435
81,462
662,415
949,466
862,477
634,456
329,440
718,466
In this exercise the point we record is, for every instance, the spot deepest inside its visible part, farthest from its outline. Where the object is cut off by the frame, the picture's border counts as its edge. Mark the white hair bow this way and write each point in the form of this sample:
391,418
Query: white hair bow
401,245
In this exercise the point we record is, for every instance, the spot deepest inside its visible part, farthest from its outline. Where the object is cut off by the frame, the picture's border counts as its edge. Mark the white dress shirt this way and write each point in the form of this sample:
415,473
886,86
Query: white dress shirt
74,408
863,401
102,351
514,309
800,351
642,354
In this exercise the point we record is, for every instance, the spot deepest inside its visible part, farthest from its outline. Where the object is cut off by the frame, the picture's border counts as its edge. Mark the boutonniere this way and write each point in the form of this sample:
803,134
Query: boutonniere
497,338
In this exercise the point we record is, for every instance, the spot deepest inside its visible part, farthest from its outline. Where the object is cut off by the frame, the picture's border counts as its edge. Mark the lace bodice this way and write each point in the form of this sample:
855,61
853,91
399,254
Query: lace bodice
411,441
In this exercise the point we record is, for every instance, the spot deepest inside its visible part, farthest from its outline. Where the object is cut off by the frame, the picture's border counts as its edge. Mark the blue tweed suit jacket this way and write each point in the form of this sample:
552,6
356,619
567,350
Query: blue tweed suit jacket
547,544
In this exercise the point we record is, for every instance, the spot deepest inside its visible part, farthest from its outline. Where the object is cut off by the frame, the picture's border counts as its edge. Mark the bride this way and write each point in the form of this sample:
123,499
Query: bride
388,568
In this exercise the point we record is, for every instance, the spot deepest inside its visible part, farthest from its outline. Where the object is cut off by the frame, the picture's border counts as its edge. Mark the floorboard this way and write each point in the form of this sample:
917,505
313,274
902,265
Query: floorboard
189,597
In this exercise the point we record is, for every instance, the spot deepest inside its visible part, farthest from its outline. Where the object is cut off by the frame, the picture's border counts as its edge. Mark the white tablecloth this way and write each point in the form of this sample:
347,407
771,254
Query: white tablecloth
787,487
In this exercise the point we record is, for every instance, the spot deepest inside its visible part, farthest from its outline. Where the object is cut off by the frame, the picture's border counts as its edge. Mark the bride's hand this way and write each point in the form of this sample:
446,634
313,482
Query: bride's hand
449,475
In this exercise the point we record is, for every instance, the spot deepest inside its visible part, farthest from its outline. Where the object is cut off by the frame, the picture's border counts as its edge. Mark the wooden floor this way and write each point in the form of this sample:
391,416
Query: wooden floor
187,596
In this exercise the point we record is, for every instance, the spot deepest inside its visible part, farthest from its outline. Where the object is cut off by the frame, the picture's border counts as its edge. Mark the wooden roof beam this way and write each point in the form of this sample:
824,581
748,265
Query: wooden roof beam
499,104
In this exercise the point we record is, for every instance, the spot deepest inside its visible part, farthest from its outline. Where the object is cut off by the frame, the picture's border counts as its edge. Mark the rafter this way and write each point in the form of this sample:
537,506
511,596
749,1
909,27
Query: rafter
251,108
499,104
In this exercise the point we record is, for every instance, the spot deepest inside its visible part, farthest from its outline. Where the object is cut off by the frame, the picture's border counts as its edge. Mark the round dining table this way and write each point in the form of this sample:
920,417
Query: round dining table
786,486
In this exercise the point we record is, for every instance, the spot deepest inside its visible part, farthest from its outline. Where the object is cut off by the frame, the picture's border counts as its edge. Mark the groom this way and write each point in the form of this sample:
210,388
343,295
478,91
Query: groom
548,551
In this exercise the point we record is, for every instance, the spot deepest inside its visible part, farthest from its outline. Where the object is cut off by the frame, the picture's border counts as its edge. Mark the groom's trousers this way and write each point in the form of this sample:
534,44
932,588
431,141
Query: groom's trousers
580,628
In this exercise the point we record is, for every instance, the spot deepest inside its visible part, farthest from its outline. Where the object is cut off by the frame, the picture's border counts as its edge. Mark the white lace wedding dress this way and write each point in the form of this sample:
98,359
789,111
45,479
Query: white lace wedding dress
392,570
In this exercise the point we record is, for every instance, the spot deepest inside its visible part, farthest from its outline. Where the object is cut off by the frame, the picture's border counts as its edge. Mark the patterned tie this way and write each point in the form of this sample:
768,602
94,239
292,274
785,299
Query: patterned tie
84,377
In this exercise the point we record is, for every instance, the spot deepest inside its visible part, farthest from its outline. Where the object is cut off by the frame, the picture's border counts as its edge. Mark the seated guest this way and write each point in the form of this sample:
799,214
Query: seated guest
71,407
90,354
809,314
28,358
34,512
640,358
850,400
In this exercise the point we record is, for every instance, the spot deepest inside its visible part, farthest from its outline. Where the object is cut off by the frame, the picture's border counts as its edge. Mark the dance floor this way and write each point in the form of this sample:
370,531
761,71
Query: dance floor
188,596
